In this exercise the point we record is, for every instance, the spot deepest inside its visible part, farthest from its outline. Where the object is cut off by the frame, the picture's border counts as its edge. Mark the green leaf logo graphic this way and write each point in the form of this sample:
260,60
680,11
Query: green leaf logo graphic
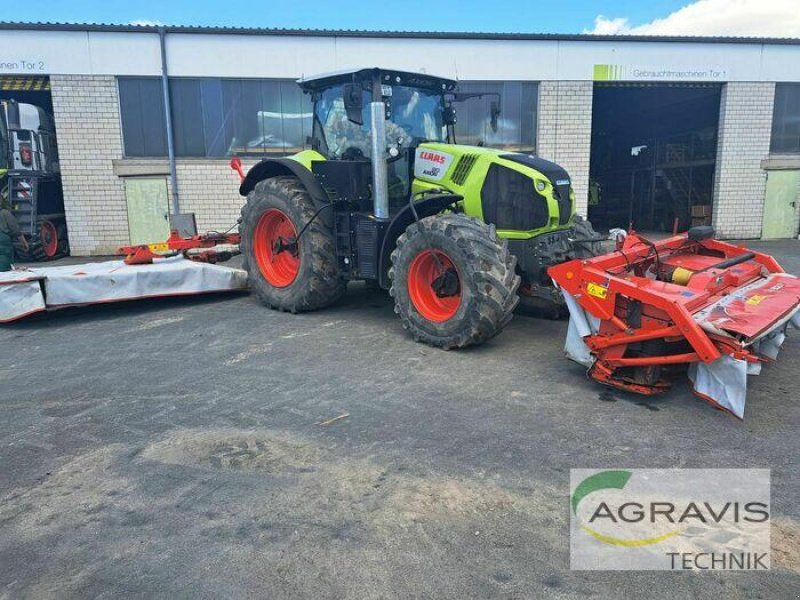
605,480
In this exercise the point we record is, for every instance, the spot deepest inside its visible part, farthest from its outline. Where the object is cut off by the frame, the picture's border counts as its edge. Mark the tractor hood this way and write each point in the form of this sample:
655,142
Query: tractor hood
500,182
558,177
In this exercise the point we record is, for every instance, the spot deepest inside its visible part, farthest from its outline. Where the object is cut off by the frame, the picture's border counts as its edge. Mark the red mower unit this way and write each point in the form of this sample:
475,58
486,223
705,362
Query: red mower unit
197,248
690,300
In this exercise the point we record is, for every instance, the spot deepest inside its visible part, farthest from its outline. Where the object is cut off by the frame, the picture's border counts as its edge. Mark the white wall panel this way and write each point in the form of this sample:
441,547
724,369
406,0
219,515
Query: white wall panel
198,55
466,59
78,53
46,52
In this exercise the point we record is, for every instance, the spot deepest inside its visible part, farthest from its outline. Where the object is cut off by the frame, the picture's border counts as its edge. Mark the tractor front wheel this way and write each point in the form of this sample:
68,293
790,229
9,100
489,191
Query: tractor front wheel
453,281
288,270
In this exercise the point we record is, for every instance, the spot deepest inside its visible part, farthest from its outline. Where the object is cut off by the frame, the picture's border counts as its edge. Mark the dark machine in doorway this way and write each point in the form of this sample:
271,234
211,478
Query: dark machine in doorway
653,155
30,176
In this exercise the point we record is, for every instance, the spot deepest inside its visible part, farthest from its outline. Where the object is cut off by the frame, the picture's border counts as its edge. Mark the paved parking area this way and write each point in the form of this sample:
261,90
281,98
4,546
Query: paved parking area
191,448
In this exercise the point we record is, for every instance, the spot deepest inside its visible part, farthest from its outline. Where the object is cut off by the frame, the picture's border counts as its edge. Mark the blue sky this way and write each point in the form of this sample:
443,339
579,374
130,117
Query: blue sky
553,16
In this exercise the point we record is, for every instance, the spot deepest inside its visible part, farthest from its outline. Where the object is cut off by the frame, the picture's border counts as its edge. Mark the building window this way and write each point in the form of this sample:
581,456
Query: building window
516,123
216,117
141,105
221,117
786,119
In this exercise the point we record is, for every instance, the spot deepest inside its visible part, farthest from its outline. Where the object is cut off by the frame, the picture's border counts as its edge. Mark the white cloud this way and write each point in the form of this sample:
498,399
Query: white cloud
146,23
759,18
606,26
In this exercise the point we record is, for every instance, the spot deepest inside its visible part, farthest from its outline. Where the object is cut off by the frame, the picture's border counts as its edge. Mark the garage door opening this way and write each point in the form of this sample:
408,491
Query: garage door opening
30,178
653,155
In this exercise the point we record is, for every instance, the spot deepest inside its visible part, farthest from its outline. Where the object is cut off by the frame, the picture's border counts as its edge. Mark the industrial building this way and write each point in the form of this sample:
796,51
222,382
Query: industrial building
659,132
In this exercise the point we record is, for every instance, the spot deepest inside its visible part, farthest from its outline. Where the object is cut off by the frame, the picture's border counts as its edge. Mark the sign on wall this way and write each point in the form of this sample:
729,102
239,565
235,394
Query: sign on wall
9,64
659,73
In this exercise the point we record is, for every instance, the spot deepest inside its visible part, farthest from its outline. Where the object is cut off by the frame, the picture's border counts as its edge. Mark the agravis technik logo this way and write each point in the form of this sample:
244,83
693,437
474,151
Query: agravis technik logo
671,519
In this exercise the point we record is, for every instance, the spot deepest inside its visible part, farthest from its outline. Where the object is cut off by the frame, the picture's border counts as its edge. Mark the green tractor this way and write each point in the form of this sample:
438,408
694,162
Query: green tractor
455,233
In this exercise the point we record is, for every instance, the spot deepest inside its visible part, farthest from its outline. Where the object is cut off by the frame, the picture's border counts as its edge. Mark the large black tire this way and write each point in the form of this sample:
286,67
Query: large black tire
486,272
588,243
318,282
63,240
540,298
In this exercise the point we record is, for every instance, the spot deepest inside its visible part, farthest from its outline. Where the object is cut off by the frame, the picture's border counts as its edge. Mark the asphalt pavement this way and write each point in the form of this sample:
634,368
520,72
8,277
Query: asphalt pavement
210,447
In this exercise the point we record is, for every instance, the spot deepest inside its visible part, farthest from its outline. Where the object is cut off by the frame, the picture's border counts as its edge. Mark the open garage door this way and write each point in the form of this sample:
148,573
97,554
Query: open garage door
653,155
30,177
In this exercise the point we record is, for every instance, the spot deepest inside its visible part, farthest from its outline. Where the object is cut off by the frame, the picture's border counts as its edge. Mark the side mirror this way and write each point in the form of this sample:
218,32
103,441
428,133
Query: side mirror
13,116
495,112
352,102
449,115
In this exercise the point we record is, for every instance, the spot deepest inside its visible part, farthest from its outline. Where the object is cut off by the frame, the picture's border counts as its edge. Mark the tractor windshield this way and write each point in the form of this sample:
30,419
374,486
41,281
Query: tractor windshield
338,136
419,113
416,117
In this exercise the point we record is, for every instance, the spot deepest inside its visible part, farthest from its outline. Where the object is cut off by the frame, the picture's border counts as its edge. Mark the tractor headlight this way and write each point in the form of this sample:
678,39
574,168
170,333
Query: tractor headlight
540,185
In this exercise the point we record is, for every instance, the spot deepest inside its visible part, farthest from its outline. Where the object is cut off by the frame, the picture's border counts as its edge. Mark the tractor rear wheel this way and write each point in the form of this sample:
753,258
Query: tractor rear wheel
453,281
286,273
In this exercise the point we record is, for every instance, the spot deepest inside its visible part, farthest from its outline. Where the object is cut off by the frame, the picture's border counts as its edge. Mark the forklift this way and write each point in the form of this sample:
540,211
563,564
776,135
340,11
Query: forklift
455,233
30,179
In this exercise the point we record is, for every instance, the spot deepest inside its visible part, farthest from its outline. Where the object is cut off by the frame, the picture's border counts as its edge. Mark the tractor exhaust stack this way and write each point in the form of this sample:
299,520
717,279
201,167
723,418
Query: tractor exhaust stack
377,125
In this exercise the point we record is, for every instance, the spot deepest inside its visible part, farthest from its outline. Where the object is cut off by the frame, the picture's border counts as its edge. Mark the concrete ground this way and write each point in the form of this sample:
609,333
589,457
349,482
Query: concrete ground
208,448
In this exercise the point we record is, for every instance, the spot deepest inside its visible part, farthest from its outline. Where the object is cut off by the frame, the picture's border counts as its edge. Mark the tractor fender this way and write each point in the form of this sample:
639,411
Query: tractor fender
275,167
430,205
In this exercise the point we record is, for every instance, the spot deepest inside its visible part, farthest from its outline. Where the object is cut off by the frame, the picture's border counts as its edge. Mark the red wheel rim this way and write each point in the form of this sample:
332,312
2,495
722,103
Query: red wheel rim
278,263
48,234
426,268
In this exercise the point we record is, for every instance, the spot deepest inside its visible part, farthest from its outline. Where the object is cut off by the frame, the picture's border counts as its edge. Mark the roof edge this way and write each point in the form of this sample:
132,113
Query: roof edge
359,33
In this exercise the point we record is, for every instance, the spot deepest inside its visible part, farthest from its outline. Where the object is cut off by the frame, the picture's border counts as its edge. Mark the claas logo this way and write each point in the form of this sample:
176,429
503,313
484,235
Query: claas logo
433,157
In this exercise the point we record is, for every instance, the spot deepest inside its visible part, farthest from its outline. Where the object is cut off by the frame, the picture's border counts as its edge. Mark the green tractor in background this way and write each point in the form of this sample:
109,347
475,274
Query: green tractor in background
456,233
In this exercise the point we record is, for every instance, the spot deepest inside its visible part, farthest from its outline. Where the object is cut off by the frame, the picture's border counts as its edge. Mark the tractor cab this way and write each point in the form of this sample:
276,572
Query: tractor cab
27,137
416,109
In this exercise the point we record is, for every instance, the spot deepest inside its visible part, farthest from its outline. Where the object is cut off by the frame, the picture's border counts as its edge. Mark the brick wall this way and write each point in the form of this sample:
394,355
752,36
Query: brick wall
564,132
86,110
745,125
87,125
210,189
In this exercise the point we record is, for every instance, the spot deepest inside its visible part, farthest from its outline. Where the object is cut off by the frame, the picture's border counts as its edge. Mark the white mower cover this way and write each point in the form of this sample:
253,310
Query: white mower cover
581,324
20,295
724,381
23,293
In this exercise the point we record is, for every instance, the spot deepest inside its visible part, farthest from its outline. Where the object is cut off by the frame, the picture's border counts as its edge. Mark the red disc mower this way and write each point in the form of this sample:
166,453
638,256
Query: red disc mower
690,300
